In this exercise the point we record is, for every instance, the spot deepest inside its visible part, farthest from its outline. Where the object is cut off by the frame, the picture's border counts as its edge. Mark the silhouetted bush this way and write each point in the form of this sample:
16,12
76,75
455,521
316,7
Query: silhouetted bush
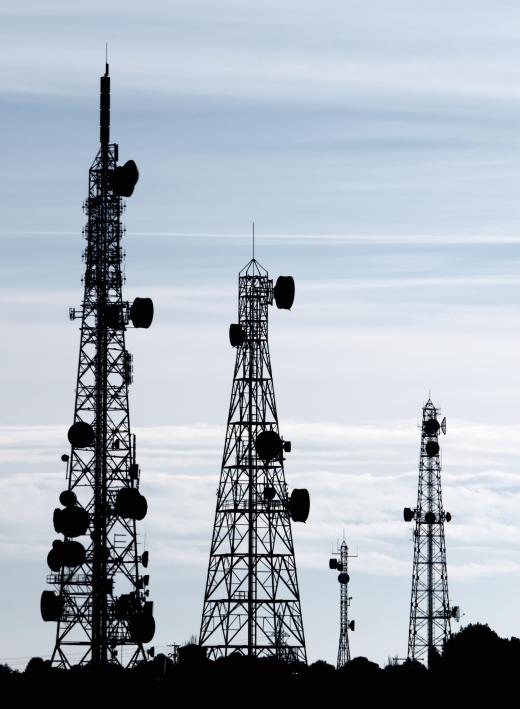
476,655
478,650
361,667
321,668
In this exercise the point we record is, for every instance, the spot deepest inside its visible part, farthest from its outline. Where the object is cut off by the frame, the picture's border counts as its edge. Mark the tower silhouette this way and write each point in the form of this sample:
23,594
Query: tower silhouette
430,610
252,600
341,565
100,597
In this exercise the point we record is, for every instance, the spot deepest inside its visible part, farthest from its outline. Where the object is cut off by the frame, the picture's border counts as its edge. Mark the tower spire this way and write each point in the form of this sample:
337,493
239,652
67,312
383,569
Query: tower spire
104,107
430,609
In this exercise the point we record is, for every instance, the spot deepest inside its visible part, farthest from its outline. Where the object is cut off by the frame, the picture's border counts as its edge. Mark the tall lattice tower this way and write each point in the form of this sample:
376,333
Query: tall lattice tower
341,564
252,600
100,602
430,609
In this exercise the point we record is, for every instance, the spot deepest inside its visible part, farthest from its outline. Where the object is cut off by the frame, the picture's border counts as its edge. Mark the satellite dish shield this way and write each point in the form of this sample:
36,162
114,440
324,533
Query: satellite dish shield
130,504
432,448
269,493
333,563
81,435
343,577
299,505
268,445
74,554
352,625
141,312
430,518
142,625
443,425
54,560
145,558
448,517
124,179
284,292
431,427
72,521
68,498
237,334
408,514
68,554
51,606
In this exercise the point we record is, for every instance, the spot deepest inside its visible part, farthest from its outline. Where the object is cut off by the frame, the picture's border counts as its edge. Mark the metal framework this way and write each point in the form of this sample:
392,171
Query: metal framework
252,600
100,598
430,609
341,564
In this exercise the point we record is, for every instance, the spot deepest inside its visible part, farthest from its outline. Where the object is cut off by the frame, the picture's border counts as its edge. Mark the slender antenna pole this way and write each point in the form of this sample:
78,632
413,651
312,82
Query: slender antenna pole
253,241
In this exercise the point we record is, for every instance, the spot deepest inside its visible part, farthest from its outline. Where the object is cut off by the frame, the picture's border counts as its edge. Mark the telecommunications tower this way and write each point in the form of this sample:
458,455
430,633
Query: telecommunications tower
100,597
252,600
341,564
430,609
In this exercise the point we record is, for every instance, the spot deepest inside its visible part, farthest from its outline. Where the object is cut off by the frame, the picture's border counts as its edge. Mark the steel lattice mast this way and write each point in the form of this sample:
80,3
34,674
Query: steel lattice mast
430,610
252,600
100,601
341,564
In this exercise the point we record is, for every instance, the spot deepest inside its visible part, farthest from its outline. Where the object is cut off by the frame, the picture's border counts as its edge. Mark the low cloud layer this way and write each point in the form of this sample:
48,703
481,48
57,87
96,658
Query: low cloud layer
360,478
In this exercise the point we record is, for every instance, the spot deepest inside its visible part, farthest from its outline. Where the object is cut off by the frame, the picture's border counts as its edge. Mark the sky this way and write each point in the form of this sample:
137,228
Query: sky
376,146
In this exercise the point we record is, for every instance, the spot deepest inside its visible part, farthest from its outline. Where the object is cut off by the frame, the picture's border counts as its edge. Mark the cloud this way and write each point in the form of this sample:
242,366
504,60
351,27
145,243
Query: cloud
351,488
230,52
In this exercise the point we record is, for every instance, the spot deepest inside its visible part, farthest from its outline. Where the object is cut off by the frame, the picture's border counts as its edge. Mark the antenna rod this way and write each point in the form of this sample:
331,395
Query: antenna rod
253,241
104,108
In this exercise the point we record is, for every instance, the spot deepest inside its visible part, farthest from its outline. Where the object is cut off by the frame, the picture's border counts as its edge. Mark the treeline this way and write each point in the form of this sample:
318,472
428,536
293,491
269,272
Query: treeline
474,659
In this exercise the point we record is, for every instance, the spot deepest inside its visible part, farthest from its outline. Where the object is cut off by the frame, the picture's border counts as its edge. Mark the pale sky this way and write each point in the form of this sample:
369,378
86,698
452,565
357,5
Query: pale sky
376,145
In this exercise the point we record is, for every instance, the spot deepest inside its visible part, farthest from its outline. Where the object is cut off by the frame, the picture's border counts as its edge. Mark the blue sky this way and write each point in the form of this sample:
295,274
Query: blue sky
376,147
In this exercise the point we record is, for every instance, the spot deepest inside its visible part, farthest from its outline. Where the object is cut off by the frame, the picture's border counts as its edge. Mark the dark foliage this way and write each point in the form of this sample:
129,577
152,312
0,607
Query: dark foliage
474,661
